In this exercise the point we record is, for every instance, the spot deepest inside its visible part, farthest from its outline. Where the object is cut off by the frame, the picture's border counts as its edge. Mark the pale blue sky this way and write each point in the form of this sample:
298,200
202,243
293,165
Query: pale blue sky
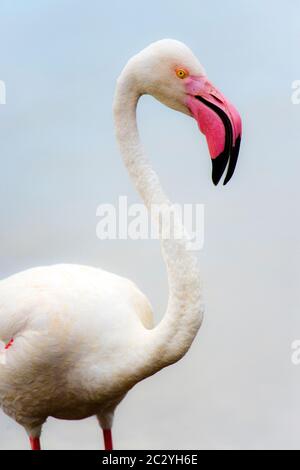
60,60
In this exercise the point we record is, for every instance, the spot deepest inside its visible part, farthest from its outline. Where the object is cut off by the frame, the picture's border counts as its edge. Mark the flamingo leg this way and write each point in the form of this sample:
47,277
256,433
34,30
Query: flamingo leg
108,443
35,443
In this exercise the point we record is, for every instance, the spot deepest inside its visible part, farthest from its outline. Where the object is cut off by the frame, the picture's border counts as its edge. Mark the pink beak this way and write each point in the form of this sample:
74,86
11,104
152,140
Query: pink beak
219,121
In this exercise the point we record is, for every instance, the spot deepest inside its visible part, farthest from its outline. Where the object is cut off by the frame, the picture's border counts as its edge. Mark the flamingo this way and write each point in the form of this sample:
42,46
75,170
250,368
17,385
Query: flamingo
79,338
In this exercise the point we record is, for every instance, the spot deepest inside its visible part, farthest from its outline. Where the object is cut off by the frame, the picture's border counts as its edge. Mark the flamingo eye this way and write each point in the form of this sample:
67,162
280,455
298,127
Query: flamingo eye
181,73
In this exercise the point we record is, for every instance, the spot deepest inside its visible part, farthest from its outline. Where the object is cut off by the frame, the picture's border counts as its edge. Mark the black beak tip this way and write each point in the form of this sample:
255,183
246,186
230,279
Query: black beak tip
233,160
215,180
218,167
224,160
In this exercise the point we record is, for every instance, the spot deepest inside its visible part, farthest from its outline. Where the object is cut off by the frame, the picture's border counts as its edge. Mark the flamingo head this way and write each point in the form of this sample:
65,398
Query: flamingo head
169,71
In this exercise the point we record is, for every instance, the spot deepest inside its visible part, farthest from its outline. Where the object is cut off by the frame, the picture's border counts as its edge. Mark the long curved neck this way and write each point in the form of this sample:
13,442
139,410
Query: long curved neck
173,336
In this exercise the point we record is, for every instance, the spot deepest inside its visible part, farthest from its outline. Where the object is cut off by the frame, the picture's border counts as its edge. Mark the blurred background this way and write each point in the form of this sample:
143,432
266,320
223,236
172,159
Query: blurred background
237,387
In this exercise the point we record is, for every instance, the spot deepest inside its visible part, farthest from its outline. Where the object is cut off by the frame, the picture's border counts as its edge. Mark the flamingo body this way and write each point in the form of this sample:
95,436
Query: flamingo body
72,325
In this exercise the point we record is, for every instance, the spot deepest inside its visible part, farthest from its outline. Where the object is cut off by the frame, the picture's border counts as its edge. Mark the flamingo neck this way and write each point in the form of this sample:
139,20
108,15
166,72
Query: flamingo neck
173,336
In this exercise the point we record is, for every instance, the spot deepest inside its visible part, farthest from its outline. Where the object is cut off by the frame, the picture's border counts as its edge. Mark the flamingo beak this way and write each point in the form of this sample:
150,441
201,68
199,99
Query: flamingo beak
219,121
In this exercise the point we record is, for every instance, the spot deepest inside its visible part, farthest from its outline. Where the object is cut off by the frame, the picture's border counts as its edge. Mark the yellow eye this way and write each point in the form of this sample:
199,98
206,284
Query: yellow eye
181,73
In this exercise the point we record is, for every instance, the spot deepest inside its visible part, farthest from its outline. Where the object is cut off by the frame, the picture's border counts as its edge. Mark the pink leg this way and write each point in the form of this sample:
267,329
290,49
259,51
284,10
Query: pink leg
35,443
107,439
